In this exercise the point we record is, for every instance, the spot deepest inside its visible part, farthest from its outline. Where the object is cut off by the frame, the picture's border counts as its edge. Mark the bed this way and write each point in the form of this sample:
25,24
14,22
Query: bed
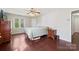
33,32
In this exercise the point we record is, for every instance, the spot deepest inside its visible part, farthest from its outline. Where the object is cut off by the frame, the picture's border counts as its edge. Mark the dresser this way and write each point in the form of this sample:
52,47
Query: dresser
5,31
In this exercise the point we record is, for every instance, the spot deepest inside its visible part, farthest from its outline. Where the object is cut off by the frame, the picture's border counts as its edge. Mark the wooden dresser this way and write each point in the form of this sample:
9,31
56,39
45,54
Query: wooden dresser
5,31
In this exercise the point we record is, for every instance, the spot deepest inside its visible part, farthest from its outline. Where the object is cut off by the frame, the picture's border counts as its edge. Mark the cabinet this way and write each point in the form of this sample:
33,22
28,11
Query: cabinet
5,31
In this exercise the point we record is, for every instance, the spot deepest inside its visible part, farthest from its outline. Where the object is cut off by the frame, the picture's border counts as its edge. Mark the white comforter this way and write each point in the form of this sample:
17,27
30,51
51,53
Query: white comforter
36,31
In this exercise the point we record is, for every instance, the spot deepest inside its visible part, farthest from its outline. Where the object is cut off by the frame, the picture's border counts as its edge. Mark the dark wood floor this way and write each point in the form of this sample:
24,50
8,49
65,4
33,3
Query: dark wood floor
21,43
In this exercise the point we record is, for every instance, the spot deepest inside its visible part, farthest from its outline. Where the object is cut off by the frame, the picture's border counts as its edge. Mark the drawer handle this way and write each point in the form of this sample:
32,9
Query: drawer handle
0,36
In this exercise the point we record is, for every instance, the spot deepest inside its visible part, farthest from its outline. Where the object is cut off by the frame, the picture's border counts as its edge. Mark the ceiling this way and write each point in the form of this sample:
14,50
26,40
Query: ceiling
43,11
22,11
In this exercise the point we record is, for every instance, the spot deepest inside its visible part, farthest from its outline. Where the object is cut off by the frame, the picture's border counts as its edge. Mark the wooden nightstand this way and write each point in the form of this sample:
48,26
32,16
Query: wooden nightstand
51,33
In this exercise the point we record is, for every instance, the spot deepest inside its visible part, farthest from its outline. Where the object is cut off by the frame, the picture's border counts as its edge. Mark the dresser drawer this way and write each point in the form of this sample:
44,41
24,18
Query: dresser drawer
6,35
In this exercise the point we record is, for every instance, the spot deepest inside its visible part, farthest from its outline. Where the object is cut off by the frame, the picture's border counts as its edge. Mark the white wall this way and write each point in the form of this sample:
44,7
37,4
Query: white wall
72,25
12,18
59,19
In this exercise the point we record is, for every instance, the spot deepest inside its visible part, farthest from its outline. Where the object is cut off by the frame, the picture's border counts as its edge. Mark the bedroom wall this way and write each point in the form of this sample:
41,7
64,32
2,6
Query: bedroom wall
12,17
59,19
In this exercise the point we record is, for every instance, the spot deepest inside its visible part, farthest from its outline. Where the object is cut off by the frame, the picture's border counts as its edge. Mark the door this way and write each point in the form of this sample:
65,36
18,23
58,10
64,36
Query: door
75,28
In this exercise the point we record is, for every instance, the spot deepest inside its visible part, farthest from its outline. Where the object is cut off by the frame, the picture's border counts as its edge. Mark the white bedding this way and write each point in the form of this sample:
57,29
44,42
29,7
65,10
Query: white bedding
36,31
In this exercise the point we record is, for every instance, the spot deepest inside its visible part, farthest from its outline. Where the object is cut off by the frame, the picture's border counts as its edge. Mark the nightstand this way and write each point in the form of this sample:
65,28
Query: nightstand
51,33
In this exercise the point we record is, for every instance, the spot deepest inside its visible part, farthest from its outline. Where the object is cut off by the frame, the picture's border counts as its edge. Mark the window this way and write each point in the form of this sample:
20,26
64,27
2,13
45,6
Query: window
17,23
22,23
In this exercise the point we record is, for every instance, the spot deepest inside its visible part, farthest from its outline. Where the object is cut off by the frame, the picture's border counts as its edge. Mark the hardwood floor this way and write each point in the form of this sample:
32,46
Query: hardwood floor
21,43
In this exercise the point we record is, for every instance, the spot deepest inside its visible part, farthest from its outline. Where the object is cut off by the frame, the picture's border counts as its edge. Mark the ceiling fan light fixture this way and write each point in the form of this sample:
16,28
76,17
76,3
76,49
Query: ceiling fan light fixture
33,12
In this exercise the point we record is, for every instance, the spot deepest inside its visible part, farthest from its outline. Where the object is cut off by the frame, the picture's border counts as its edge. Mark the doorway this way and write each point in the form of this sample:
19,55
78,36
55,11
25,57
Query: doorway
75,26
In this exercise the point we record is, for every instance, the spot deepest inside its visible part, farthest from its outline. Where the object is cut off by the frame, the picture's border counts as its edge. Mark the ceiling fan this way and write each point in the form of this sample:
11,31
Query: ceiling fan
33,12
